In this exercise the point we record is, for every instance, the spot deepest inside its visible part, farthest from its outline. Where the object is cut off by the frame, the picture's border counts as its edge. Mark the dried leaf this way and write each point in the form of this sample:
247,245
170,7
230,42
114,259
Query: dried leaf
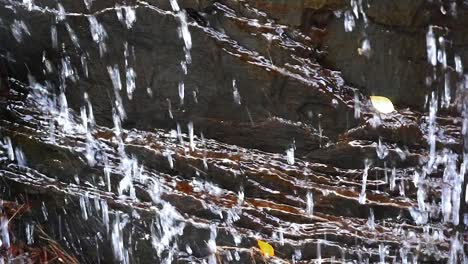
382,104
266,248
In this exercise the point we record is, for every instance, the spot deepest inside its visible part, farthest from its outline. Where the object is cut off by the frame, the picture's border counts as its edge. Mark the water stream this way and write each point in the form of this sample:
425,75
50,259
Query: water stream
86,182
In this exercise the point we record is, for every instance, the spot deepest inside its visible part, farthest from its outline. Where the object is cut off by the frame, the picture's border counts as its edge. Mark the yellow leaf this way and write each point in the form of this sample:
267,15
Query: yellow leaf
266,248
382,104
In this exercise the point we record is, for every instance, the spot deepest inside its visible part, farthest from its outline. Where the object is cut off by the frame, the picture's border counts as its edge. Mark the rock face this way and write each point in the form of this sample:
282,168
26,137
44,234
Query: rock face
273,67
242,72
397,64
150,197
184,131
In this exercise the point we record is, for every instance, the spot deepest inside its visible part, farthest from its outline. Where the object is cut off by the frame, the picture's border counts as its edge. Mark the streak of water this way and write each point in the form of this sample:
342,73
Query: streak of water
98,33
235,93
362,195
431,46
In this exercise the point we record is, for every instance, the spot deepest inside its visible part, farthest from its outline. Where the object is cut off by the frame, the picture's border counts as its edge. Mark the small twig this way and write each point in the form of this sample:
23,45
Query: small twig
16,212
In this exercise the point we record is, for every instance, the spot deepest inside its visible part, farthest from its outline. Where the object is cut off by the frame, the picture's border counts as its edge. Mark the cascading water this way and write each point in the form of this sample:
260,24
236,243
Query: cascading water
95,185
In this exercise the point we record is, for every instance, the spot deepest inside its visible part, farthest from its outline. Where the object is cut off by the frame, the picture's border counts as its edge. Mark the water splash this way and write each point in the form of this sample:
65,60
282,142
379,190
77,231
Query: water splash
98,34
290,155
130,73
382,150
310,204
19,30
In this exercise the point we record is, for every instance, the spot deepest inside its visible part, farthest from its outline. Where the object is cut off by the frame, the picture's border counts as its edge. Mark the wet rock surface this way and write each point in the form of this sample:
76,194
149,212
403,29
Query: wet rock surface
275,75
242,194
186,131
395,31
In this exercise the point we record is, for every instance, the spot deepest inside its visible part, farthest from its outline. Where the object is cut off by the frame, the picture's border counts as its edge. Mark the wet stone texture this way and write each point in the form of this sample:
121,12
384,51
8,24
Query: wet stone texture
186,131
275,75
395,31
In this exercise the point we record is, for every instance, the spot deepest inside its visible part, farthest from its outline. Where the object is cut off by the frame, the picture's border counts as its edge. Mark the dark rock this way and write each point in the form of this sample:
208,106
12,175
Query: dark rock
273,80
396,31
233,177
